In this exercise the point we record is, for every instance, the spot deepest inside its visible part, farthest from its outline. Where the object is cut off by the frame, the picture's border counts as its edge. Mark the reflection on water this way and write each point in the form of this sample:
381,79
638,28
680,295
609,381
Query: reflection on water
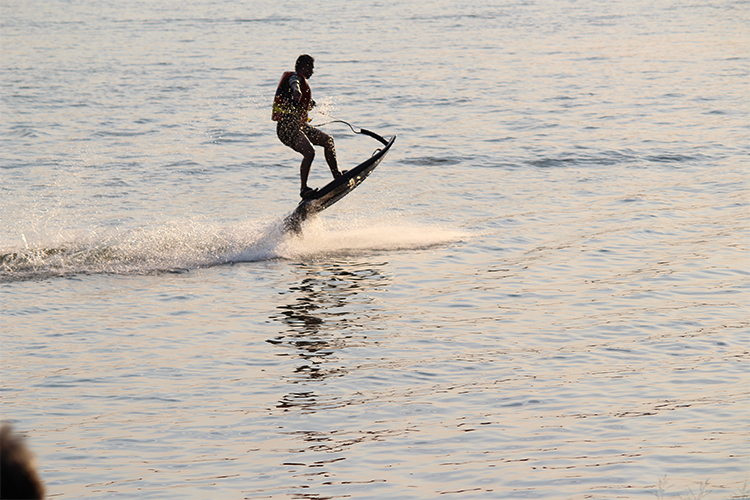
324,314
326,293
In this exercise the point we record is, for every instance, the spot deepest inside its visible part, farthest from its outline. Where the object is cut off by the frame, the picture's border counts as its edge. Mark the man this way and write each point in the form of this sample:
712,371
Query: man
290,106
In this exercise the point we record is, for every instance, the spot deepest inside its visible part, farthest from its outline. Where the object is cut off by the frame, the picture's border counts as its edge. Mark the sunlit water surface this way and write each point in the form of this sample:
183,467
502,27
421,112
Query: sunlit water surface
540,293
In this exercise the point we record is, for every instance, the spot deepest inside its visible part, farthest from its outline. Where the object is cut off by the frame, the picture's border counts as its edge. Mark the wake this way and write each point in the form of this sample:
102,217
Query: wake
186,245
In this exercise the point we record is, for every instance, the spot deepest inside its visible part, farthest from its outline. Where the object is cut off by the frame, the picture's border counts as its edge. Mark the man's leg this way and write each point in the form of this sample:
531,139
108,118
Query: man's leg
322,139
304,147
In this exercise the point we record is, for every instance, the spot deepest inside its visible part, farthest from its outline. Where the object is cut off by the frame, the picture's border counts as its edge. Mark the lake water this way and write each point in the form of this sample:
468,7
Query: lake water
542,291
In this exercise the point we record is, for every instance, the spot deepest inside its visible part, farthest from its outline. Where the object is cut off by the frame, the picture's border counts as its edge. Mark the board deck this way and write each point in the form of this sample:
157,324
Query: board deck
335,190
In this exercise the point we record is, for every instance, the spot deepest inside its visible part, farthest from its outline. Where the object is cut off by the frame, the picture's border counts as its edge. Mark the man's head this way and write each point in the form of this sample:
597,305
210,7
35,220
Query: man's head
304,66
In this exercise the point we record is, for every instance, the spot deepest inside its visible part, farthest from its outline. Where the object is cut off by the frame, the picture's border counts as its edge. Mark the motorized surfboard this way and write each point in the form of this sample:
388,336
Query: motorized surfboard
337,188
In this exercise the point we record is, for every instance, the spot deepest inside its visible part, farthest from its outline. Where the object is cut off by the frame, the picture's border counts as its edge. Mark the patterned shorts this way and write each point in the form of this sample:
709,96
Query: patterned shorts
288,132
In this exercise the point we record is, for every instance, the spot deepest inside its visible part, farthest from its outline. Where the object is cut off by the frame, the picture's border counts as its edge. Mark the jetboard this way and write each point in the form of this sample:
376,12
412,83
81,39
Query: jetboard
337,188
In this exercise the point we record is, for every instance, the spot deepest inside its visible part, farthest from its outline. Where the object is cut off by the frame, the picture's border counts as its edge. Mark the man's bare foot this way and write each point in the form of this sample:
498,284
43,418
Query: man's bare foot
307,193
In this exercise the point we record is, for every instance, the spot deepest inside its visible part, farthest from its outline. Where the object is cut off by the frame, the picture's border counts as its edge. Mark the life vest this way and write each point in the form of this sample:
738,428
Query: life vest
283,104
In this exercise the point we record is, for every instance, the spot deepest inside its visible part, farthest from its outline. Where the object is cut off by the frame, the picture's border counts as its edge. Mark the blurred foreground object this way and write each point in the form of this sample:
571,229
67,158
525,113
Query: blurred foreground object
18,476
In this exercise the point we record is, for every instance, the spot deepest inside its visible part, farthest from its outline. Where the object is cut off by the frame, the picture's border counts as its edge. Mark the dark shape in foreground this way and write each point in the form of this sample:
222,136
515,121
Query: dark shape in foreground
18,476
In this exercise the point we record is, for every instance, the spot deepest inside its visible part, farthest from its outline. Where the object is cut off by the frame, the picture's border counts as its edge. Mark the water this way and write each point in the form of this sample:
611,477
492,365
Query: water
540,293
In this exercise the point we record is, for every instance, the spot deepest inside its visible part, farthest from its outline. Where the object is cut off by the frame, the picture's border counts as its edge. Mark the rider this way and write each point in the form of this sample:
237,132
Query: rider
290,106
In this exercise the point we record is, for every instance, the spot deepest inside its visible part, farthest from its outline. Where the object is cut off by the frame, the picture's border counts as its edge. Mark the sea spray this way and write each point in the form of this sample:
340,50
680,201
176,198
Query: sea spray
177,245
198,243
322,237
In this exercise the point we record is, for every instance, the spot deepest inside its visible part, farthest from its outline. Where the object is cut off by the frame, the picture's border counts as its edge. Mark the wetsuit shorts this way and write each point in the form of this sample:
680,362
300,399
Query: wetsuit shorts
288,132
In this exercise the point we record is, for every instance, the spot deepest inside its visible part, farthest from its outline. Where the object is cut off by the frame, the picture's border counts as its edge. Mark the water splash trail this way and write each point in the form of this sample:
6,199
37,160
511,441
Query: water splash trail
184,245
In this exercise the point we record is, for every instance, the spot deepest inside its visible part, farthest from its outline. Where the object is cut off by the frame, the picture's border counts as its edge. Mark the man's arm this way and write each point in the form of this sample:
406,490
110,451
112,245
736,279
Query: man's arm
296,92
